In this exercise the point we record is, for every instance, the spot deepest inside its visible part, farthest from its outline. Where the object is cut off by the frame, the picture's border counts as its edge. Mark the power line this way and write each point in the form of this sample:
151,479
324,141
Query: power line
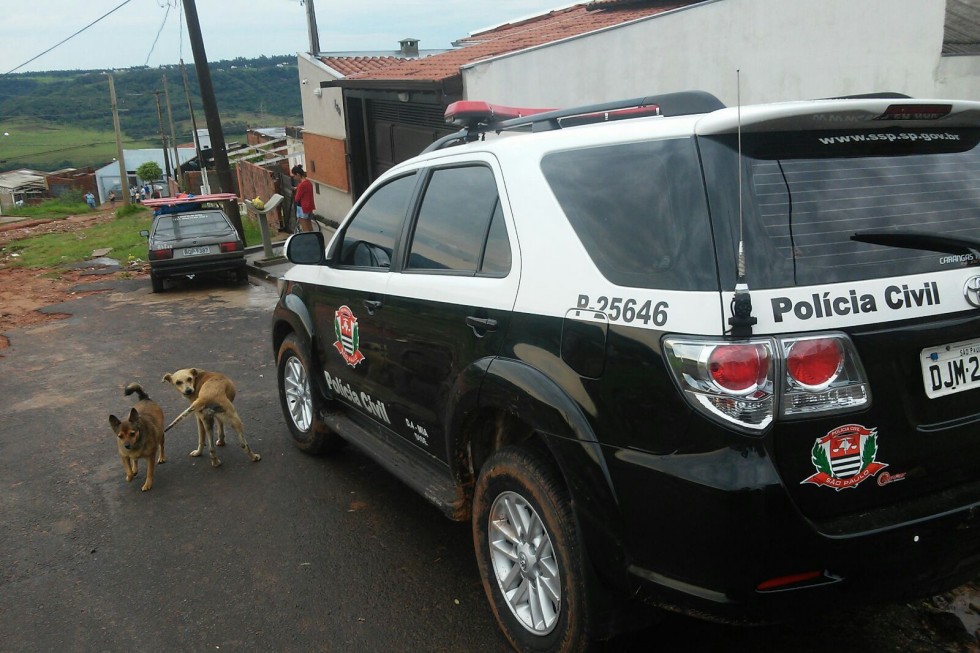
157,37
111,11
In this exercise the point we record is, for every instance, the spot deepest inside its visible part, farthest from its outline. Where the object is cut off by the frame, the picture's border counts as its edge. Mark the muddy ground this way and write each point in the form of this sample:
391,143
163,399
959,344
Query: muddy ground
23,291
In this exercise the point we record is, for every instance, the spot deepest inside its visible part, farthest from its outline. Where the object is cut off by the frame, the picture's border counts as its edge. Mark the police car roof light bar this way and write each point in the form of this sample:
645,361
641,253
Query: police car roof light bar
477,117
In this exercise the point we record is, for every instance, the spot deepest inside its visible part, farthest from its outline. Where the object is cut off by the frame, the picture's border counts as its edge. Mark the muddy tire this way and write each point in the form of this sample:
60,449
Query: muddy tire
241,276
156,283
530,554
300,401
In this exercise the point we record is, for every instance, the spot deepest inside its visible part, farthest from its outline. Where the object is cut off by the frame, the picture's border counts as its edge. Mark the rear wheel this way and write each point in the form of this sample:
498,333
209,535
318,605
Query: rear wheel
301,403
530,554
156,282
241,275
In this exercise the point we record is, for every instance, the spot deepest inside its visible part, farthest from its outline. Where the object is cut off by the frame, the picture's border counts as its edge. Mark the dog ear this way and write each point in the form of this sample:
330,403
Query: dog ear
166,378
134,416
114,423
195,372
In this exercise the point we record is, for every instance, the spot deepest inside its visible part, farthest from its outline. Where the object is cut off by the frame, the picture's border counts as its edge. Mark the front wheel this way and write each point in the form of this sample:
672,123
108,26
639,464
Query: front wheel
530,555
301,404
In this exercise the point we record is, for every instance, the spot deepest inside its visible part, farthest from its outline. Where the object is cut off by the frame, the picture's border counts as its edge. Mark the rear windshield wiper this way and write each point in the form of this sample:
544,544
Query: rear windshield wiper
921,240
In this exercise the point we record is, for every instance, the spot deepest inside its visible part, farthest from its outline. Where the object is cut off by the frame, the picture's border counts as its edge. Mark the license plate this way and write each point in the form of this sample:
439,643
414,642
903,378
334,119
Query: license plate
949,369
196,251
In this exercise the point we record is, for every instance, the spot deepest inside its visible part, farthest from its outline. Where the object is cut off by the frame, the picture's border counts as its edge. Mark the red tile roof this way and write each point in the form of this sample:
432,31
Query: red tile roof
511,37
349,66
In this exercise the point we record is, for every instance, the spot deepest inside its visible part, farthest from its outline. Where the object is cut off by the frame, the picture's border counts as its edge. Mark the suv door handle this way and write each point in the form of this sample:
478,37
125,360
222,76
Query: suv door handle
479,324
372,305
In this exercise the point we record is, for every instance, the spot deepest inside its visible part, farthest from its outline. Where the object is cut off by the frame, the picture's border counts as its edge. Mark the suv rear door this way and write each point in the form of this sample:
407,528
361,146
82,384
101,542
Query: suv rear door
448,304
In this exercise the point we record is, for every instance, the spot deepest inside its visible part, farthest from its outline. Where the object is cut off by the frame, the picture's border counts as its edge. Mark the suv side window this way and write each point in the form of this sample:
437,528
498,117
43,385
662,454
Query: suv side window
369,239
460,224
640,211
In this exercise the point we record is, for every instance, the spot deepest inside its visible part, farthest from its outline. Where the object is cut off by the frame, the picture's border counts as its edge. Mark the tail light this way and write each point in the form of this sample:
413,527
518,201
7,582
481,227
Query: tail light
739,369
231,246
748,383
160,254
814,364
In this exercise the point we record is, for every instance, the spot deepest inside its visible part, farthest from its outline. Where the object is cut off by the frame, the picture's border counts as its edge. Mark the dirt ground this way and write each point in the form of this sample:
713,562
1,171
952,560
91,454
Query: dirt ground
23,291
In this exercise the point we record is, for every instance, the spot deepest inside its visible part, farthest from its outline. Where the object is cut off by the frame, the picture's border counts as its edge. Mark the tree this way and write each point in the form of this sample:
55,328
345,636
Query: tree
149,171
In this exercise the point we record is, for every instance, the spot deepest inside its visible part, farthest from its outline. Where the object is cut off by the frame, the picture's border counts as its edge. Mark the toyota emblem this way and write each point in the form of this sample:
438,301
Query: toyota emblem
971,290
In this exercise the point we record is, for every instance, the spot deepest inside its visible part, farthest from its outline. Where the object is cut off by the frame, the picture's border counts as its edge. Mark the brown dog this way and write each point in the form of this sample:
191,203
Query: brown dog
140,435
211,395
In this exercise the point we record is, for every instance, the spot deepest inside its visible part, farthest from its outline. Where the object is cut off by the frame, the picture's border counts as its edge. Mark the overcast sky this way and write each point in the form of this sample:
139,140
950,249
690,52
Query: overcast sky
231,28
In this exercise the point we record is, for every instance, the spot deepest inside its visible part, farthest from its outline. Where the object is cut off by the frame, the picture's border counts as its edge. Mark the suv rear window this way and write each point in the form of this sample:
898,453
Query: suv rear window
639,209
806,194
191,225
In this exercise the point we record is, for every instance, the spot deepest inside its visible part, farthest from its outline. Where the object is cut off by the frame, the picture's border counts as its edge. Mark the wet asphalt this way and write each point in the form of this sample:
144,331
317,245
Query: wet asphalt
291,553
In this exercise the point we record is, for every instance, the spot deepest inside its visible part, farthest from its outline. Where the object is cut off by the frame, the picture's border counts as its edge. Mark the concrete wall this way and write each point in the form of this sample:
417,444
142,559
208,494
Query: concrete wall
786,50
323,116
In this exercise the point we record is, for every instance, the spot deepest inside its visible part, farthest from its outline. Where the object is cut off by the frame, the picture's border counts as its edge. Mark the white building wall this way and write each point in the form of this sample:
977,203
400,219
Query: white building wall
785,49
323,113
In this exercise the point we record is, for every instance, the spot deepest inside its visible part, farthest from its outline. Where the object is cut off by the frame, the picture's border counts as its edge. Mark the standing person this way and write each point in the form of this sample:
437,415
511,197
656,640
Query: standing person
303,199
89,199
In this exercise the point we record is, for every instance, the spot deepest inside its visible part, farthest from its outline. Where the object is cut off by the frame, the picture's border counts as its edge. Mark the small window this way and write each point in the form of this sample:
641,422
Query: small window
496,254
369,239
454,221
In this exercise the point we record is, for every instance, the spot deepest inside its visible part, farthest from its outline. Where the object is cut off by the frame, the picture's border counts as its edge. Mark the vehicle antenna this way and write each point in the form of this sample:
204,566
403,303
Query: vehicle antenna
741,320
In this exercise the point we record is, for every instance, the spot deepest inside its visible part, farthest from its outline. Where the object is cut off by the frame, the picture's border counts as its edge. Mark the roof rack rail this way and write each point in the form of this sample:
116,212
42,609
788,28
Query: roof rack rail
478,118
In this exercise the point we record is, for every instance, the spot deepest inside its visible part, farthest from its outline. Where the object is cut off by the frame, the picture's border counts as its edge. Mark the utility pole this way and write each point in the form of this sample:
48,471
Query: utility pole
196,138
211,112
123,177
312,29
173,134
163,138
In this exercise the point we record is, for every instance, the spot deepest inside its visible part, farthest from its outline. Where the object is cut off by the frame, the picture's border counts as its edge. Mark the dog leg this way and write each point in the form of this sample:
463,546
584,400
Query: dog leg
162,458
236,423
221,434
200,438
209,430
128,466
149,473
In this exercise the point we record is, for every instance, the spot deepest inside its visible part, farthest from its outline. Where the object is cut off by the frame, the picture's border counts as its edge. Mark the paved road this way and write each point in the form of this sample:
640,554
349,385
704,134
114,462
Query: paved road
290,553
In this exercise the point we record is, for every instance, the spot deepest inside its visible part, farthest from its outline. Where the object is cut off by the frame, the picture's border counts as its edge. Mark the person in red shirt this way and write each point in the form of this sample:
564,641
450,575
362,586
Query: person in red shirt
303,198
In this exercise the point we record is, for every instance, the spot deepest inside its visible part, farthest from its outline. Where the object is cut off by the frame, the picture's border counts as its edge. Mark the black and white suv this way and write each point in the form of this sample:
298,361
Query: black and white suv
723,360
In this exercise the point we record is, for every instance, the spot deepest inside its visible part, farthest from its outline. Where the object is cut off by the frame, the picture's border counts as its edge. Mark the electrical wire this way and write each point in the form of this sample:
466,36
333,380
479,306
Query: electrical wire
157,37
63,41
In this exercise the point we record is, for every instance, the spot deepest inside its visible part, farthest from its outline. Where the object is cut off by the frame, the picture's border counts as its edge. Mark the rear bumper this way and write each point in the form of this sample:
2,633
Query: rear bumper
716,535
184,267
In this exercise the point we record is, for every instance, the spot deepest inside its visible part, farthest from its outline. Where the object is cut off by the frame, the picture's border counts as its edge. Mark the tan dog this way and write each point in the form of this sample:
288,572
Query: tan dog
211,395
140,435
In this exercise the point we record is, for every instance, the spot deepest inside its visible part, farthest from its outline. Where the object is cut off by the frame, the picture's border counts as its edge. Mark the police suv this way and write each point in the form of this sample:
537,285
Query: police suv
722,360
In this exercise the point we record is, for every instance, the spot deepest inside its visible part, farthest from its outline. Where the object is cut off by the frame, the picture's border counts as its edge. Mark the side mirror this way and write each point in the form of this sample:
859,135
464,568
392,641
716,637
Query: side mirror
145,233
306,248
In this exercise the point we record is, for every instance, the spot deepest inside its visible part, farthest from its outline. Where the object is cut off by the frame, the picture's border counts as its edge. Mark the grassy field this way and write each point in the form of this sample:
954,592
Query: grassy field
122,236
46,146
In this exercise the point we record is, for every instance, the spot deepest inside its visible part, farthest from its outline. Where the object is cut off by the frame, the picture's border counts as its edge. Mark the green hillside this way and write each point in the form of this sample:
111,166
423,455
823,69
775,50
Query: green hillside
57,119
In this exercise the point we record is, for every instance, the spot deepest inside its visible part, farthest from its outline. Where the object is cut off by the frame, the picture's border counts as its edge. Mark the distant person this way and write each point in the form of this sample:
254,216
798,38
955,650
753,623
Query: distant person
112,197
132,194
303,199
90,199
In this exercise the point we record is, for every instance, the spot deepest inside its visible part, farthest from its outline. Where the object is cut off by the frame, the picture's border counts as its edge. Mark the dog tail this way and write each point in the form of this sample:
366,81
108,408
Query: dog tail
138,389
